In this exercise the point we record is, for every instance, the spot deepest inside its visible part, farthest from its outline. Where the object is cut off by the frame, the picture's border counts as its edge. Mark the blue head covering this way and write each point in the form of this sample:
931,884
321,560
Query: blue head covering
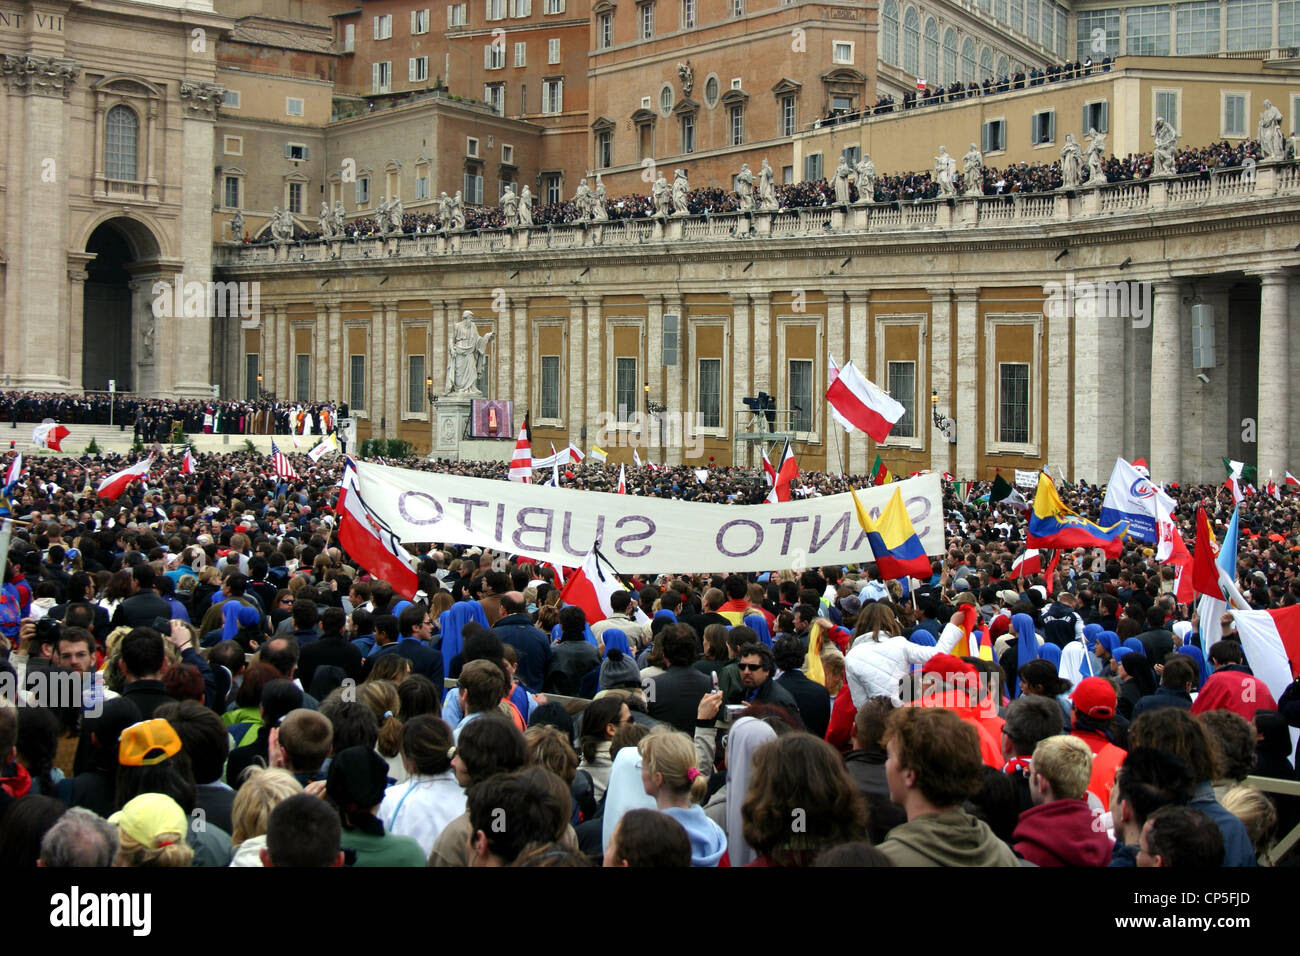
1090,633
451,622
1050,652
758,624
1026,644
1136,646
1198,658
1108,640
235,616
664,612
923,637
613,637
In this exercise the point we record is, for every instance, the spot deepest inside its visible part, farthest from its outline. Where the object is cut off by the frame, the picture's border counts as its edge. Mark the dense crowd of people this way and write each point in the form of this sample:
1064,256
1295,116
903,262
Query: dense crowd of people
225,655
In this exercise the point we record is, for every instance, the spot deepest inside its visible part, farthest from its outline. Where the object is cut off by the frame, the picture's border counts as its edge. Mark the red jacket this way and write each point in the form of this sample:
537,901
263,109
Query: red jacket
839,731
1236,691
1061,833
1106,759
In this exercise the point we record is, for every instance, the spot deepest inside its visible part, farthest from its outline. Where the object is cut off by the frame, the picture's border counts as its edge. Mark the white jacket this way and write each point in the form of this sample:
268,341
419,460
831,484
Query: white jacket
249,853
422,806
875,668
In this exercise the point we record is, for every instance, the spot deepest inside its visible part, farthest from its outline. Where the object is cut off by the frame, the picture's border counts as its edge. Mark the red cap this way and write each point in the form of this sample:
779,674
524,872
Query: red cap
946,665
1095,698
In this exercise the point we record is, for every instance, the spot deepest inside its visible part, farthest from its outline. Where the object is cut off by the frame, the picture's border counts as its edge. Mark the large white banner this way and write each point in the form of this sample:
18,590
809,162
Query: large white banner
638,534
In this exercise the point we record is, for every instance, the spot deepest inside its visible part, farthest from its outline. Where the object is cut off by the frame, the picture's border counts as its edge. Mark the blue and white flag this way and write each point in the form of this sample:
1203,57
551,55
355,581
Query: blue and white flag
1131,497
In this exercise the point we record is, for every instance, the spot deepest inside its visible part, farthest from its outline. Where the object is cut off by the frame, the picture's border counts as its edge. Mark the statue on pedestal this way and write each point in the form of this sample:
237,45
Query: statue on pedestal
945,167
444,212
1270,138
467,354
972,172
598,210
661,195
1162,157
766,189
381,217
1093,157
510,207
865,176
458,213
326,221
525,207
1071,163
745,189
681,189
842,174
237,227
395,215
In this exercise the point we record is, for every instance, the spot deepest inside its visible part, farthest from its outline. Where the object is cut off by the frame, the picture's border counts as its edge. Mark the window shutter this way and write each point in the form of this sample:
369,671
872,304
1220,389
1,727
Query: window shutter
306,153
1105,118
376,28
410,68
487,57
1051,126
374,77
489,9
984,139
527,8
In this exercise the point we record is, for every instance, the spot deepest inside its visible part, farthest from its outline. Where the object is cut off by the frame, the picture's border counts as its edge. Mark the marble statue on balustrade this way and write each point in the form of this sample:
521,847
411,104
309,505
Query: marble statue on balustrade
237,227
582,201
745,189
661,195
395,215
458,212
282,225
1071,163
842,174
340,218
1163,156
1094,156
326,221
766,188
526,207
599,195
1271,143
945,168
381,217
444,212
466,357
510,207
972,171
865,177
681,189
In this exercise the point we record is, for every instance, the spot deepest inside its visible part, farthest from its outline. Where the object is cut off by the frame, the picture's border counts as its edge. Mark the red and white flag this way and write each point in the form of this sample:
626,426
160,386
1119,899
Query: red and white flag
862,405
769,474
622,480
1271,640
521,462
187,464
48,435
1028,562
1140,466
575,453
636,458
832,373
1292,480
282,466
113,486
369,542
1274,490
590,588
786,473
1171,549
1235,487
15,470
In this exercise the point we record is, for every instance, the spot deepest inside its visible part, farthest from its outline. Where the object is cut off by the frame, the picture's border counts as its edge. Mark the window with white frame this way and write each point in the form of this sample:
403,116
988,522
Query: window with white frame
1166,106
456,14
416,395
647,20
554,6
521,53
625,389
1013,403
1197,27
473,187
842,51
496,9
553,96
296,198
1288,24
302,377
381,77
1146,31
494,56
471,145
1250,25
993,136
1234,114
551,183
549,404
494,95
688,14
788,115
666,99
384,27
419,21
357,382
1042,127
507,154
349,37
688,133
521,8
417,69
421,182
553,50
230,194
1096,116
121,144
231,100
363,190
710,392
901,384
737,8
736,125
605,31
604,149
1098,34
801,395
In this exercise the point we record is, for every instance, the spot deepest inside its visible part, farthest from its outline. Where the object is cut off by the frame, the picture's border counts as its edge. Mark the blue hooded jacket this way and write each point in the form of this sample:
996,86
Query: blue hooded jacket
708,840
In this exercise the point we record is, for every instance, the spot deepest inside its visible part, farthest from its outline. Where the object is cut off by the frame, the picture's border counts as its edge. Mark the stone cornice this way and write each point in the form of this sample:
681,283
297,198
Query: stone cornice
42,75
202,99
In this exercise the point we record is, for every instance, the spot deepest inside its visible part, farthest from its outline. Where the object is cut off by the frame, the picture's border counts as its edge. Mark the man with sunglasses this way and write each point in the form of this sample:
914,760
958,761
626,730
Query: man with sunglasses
756,669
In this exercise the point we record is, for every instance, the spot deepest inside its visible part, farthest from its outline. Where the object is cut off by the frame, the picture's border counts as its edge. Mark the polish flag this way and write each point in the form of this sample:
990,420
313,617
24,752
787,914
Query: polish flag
622,480
832,373
636,458
1171,549
113,486
1271,640
769,474
48,435
187,465
863,405
15,470
369,542
1292,480
1274,490
521,462
785,475
590,588
575,453
1029,562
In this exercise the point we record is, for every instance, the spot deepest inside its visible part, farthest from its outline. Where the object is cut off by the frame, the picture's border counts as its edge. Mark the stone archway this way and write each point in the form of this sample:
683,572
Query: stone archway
116,344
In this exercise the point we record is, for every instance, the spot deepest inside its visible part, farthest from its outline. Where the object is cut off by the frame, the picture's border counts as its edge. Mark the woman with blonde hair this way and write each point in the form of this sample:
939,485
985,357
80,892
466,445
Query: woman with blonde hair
263,789
1257,814
670,775
151,832
873,621
382,699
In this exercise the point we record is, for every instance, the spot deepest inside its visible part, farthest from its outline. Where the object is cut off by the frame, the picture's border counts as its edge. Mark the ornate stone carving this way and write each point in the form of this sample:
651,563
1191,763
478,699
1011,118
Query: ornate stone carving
44,75
686,73
202,100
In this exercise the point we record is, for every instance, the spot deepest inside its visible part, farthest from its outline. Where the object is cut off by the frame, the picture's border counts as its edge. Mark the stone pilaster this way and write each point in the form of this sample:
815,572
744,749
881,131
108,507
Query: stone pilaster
578,369
391,385
941,335
594,331
1167,368
859,338
654,336
966,403
837,453
1274,377
674,396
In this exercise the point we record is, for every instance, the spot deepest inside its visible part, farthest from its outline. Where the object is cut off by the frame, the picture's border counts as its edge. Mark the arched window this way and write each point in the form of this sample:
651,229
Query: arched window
911,42
986,63
121,144
968,60
1002,67
889,35
950,55
931,51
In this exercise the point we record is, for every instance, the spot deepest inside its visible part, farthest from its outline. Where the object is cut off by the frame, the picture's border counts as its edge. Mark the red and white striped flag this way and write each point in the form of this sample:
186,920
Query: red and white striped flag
1028,562
1235,487
769,474
521,462
15,470
786,474
48,435
862,405
283,467
1274,490
187,464
1292,481
622,480
116,483
369,542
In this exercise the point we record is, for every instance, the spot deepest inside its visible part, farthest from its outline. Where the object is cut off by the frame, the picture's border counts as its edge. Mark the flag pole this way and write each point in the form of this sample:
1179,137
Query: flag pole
839,455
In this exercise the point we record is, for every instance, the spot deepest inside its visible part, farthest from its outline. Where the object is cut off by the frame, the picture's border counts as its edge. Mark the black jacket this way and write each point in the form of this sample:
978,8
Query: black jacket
772,693
147,695
334,650
424,660
811,697
1159,644
141,610
532,647
674,696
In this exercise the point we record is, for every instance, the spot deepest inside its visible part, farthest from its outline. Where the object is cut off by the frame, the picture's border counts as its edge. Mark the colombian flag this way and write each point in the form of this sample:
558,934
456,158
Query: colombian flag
893,541
1053,525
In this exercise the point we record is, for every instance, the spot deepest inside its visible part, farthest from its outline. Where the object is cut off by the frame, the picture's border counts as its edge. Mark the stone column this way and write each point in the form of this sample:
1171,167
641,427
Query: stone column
1056,383
438,350
378,371
576,414
283,354
1167,365
940,378
654,334
966,404
505,349
1097,350
764,378
268,363
337,390
837,439
522,337
390,386
674,397
1273,407
594,330
859,338
73,357
741,342
323,355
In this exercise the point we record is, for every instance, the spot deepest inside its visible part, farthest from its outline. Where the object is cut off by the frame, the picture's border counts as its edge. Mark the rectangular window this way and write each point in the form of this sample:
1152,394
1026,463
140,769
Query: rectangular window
496,9
416,394
1031,19
295,202
252,366
647,11
419,21
605,31
421,184
604,149
787,116
521,53
551,186
812,167
471,146
901,384
494,95
349,37
736,126
1167,106
417,69
1013,402
302,378
1147,31
554,6
1197,27
233,146
521,8
688,14
688,133
787,174
737,8
231,100
1096,116
381,77
553,50
357,382
295,151
456,13
710,393
1250,25
552,96
993,136
842,52
494,56
363,191
550,397
1288,24
670,336
507,154
851,156
625,389
1018,15
232,192
1234,114
1043,127
801,395
473,188
384,27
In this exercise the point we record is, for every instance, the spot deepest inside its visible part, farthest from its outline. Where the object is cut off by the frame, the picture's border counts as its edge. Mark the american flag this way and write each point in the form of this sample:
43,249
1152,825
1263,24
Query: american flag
283,469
